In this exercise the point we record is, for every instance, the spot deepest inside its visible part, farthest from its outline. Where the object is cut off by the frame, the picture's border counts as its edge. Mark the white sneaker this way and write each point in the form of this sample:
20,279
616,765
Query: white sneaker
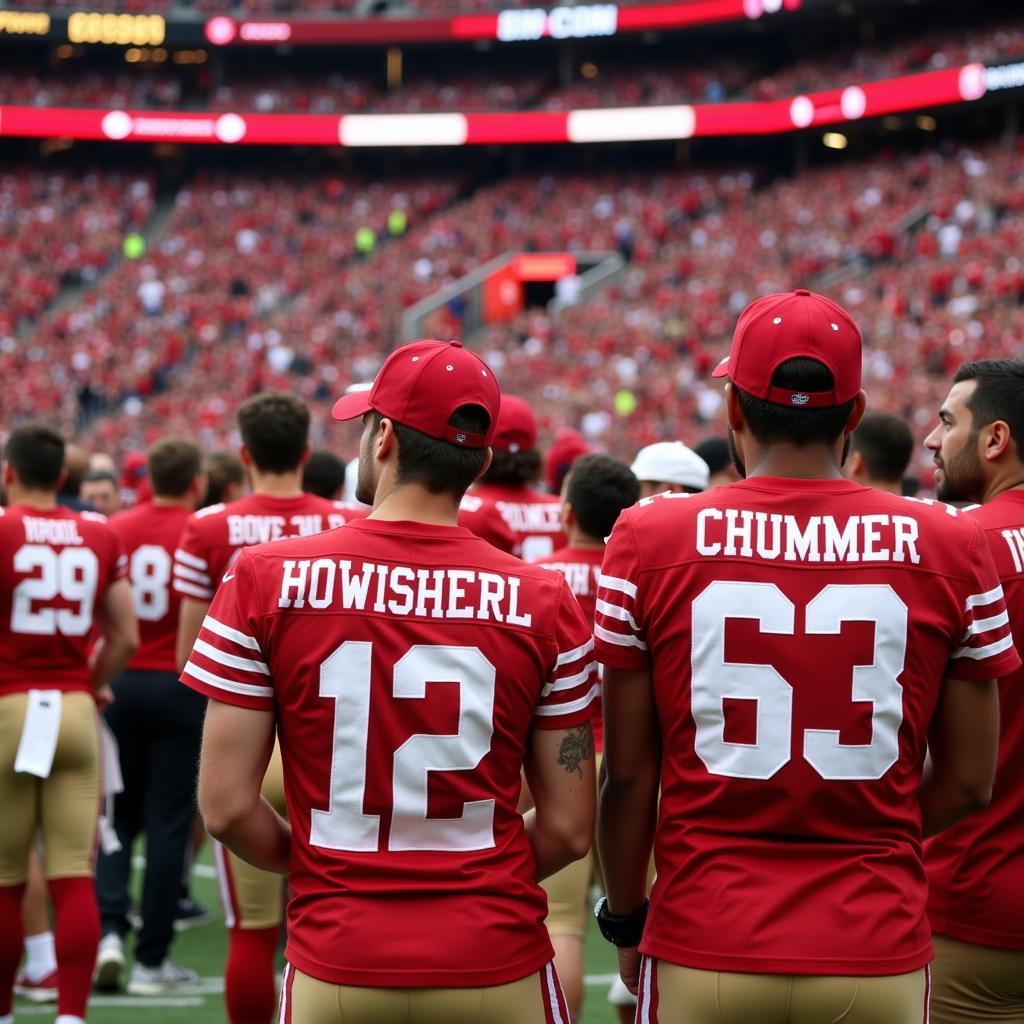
155,981
109,963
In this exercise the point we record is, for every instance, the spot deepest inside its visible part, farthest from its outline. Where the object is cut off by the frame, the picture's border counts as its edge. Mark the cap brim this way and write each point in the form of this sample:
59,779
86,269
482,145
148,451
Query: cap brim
722,369
349,407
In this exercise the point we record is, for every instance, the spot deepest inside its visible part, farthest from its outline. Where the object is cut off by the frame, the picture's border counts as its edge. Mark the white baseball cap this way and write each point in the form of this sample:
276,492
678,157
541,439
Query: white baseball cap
671,462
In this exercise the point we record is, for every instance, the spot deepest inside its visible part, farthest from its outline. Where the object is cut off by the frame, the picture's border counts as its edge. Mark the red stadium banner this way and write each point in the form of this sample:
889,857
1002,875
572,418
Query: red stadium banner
517,24
614,124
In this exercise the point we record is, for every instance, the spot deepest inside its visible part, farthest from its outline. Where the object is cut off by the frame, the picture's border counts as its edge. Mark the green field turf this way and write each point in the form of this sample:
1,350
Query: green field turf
204,949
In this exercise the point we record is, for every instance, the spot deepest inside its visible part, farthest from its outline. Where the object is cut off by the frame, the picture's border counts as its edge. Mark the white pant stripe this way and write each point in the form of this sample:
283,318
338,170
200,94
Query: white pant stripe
220,858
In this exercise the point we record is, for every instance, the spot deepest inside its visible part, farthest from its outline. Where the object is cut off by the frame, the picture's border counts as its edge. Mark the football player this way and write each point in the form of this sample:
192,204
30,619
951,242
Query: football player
411,669
880,451
596,489
976,868
532,515
158,726
778,653
61,577
274,428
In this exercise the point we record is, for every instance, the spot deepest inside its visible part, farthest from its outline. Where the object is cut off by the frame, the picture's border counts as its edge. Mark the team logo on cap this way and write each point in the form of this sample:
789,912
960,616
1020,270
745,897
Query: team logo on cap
461,438
799,398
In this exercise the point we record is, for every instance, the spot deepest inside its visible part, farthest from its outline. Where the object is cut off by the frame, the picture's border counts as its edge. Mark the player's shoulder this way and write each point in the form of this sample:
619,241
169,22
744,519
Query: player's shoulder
542,498
937,514
88,516
210,512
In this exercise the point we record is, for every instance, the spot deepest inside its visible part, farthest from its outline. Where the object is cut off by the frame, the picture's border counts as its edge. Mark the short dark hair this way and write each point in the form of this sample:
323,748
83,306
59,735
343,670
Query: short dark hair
275,428
440,466
715,452
92,476
771,423
173,464
599,488
999,395
222,470
514,469
36,452
885,443
323,474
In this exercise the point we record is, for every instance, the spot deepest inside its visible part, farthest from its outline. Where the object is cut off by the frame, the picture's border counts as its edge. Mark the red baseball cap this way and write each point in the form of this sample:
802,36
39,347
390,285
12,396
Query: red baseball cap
794,325
421,385
517,426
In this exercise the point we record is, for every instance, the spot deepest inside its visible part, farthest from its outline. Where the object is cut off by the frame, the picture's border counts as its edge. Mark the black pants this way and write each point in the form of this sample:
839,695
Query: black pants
158,724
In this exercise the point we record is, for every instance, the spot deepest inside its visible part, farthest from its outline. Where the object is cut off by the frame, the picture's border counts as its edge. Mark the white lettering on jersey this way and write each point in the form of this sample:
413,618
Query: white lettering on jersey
51,531
581,576
531,518
741,533
1015,542
401,590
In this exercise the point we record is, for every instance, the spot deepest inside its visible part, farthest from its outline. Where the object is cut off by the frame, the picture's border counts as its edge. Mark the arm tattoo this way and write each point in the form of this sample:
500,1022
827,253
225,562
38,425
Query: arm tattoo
578,746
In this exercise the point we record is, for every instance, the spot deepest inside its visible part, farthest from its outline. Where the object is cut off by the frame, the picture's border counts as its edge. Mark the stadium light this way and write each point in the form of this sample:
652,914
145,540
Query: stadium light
835,140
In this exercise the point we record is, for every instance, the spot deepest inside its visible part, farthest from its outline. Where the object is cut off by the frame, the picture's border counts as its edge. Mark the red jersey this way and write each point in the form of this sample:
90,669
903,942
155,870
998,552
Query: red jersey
55,567
406,665
481,516
581,568
214,535
798,633
976,868
149,535
535,518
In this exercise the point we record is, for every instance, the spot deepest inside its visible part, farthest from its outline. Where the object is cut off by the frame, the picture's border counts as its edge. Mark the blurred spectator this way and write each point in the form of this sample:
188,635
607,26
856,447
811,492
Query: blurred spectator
99,489
225,479
565,449
714,452
669,466
76,465
880,451
324,475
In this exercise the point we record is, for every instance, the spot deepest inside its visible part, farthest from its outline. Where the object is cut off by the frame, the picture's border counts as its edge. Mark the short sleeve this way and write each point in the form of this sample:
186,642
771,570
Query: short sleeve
227,662
618,632
573,685
191,564
986,648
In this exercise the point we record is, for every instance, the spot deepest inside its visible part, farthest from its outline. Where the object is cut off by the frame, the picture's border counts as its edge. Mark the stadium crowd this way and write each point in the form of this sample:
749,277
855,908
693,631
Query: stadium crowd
610,79
256,284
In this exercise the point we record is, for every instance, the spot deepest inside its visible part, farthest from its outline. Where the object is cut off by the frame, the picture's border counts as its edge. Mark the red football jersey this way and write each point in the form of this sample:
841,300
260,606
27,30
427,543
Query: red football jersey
55,566
535,518
581,568
149,535
481,516
406,665
976,868
214,535
798,633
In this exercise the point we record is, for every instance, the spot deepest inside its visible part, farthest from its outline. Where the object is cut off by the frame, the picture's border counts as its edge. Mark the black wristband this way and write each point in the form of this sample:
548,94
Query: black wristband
621,931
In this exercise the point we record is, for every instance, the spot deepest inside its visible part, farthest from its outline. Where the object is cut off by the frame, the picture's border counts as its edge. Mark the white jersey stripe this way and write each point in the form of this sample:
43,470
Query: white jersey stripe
187,559
988,651
242,639
191,590
230,660
569,682
574,655
185,573
644,1016
620,639
569,707
556,1010
246,689
616,612
223,883
989,597
614,583
984,625
283,1015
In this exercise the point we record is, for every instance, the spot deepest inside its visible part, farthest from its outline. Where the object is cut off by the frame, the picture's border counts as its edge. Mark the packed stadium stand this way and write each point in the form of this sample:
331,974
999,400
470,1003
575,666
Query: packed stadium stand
253,278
